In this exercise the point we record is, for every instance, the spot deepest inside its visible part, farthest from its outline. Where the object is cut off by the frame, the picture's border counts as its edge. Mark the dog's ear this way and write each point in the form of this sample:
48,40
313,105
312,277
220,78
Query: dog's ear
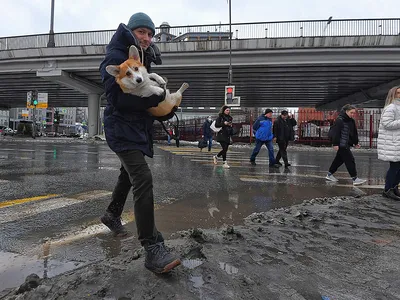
134,53
113,70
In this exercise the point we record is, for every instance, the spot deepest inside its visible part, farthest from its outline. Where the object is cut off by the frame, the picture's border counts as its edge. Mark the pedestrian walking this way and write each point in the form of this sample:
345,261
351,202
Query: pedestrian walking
389,142
292,123
208,133
170,133
282,132
129,133
344,136
224,136
264,136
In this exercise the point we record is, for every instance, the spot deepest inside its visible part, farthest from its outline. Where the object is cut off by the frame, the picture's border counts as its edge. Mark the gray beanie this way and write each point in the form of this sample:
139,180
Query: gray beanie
139,20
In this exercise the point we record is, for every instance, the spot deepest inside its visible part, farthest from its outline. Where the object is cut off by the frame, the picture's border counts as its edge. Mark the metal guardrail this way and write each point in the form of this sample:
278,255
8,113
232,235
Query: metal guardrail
259,30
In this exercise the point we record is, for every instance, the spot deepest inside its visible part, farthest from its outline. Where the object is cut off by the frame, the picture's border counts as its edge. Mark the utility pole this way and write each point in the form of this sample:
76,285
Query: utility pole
34,123
230,73
51,43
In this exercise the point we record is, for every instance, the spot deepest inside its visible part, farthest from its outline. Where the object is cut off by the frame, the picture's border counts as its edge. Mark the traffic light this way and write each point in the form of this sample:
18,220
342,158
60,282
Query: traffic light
56,117
34,98
229,94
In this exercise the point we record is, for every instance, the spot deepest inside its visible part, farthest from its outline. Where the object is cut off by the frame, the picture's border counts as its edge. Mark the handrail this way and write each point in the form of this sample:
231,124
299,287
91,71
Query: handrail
255,30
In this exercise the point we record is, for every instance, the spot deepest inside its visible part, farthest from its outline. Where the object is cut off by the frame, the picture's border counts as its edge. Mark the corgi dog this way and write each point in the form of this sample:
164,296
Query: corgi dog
134,79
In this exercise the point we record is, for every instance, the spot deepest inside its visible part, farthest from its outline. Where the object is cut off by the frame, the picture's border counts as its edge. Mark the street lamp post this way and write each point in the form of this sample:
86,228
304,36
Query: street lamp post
51,42
230,74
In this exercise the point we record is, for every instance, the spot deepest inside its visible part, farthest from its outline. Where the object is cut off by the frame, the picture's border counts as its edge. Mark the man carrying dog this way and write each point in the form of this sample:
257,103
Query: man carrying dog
129,133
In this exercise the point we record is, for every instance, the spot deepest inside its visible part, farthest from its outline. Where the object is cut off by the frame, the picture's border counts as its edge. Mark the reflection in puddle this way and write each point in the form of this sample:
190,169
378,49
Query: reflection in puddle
197,281
228,268
191,263
14,268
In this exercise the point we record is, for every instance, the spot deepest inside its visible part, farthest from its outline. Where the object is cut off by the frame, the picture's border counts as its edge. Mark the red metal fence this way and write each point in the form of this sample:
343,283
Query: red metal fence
312,126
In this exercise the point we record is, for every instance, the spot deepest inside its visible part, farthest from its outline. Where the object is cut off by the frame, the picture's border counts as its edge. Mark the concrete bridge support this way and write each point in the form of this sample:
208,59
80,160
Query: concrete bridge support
94,114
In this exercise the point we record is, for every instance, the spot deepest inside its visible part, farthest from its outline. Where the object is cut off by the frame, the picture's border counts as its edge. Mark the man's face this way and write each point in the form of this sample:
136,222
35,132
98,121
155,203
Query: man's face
284,117
144,36
269,115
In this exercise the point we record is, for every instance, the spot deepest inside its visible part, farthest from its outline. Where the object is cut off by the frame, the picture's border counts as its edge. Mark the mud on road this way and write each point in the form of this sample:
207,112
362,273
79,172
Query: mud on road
327,248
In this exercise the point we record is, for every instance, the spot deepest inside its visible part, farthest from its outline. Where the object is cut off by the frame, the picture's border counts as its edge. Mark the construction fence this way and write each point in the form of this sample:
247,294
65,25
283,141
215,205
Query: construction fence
312,126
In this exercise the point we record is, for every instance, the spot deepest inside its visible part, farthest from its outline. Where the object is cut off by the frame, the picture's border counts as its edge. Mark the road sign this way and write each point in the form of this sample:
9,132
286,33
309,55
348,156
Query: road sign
28,100
42,100
25,113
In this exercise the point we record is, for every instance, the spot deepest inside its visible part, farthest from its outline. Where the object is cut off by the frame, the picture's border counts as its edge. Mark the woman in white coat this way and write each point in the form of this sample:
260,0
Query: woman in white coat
389,142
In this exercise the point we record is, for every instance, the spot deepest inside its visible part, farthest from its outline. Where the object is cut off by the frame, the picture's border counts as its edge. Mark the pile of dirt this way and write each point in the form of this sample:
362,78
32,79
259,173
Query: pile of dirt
328,248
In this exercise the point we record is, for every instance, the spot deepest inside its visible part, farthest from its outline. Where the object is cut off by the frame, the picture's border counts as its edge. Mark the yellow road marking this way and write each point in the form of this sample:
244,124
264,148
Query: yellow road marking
24,200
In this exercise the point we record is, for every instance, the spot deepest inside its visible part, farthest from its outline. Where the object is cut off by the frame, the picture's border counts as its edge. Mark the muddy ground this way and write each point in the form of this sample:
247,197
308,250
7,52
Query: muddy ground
328,248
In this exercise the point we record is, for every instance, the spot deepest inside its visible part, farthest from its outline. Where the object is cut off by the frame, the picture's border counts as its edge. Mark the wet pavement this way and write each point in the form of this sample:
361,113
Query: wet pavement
52,194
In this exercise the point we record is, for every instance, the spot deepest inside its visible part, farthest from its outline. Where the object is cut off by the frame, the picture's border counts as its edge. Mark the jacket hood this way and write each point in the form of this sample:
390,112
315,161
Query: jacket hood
124,38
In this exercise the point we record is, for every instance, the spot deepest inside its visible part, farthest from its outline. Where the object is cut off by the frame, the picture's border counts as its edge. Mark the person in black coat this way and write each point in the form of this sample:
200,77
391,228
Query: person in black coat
129,133
224,136
344,136
282,133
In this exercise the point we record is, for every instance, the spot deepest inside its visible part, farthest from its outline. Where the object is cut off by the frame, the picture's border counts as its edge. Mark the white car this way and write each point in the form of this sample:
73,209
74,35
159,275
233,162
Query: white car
7,131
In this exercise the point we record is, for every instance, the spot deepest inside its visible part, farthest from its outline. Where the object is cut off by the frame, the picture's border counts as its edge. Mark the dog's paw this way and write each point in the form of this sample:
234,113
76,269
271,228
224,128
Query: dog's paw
157,78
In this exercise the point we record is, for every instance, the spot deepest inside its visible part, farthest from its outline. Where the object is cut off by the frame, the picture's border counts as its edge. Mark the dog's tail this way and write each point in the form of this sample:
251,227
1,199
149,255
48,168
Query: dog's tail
183,87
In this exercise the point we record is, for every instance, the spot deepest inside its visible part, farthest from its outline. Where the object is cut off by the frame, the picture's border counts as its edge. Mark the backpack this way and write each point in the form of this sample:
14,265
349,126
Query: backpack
213,128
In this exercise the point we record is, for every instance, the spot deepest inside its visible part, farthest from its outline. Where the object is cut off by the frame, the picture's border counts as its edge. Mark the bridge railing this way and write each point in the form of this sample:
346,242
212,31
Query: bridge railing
259,30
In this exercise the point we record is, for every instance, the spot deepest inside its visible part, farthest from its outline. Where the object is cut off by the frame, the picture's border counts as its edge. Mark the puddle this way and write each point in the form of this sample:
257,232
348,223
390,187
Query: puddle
228,268
14,268
197,281
191,263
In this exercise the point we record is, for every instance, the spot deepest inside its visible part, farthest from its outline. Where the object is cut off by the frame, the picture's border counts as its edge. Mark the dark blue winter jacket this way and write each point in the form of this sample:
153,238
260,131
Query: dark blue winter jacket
127,124
207,131
263,128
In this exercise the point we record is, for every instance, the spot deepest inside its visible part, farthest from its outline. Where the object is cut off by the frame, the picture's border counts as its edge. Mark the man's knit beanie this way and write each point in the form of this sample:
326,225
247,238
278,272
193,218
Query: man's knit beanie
139,20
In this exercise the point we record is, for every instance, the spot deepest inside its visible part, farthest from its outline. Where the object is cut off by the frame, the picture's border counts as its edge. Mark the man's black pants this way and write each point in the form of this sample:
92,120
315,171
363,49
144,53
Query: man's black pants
344,155
135,173
282,152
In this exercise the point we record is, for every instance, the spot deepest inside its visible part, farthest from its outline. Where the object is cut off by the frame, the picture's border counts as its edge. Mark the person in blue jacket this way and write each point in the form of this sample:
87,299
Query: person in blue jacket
263,130
129,133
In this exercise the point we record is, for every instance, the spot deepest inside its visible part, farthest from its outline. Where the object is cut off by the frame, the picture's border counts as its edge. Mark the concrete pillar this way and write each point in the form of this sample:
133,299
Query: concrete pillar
93,114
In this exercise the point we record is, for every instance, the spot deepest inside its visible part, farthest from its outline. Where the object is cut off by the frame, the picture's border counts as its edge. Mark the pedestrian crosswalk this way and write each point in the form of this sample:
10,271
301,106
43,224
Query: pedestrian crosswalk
240,160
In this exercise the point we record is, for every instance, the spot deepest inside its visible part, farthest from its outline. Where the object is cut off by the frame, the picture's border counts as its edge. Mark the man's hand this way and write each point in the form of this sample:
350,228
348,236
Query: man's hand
357,146
336,148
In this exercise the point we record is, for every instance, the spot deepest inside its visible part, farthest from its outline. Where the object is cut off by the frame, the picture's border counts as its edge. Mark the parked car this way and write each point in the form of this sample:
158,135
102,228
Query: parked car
9,131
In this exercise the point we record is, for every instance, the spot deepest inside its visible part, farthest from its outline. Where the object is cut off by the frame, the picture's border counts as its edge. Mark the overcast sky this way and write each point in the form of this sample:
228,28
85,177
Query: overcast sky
21,17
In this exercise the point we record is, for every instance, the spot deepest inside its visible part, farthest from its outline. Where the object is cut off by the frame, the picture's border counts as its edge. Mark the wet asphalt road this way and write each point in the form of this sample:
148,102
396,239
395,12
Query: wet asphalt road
52,194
